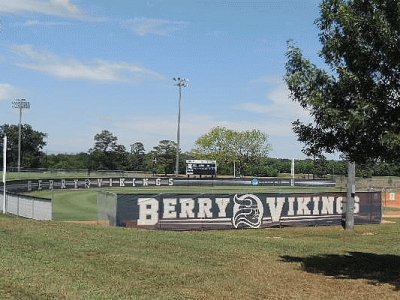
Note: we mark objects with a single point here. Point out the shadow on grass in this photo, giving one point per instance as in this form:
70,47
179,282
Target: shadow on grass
376,268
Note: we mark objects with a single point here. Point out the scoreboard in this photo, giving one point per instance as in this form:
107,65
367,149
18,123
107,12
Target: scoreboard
201,167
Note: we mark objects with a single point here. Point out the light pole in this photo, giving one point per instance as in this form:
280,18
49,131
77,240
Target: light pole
20,104
180,83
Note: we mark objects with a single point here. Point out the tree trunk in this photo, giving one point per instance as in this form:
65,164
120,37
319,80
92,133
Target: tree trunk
351,191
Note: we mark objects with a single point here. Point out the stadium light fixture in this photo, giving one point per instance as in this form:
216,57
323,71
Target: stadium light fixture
180,83
20,104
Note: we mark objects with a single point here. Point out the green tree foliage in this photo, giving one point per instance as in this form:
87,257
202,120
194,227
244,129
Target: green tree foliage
67,161
32,143
137,156
163,157
226,145
107,154
355,106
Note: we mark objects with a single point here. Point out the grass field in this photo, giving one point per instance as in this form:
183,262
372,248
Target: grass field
59,260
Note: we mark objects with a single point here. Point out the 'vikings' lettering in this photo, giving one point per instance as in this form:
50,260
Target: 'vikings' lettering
291,209
97,182
302,206
327,205
316,204
339,205
275,207
356,204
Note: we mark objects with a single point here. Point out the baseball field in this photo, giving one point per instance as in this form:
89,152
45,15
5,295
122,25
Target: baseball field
64,260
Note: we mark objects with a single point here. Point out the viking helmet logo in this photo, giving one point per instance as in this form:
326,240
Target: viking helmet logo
248,211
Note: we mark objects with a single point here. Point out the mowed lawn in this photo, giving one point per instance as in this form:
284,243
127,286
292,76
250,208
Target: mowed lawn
60,260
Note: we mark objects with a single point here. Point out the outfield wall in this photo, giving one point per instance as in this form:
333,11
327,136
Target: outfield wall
22,186
29,207
230,211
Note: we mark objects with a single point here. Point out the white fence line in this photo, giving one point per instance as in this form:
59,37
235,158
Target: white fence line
29,207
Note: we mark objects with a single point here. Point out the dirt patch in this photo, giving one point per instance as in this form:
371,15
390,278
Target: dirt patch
391,214
91,222
388,222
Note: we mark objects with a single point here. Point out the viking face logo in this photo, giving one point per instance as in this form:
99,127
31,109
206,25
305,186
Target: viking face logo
248,211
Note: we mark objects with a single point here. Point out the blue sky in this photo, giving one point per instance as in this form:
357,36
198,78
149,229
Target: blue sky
86,66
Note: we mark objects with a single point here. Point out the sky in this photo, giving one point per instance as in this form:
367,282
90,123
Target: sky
88,66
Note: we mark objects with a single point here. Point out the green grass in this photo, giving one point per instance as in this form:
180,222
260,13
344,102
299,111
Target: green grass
58,260
394,209
72,205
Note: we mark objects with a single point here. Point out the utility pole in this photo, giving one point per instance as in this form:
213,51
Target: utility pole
20,104
4,172
180,83
351,193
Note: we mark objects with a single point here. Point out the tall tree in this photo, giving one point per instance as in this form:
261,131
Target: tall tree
32,143
107,153
163,157
105,141
233,147
137,156
355,105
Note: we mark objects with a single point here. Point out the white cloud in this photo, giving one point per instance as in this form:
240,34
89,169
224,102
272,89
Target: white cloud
60,8
279,105
146,26
7,91
34,23
70,68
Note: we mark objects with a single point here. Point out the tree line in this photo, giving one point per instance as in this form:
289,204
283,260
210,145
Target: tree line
246,151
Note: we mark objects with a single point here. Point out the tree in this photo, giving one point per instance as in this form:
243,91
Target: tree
229,146
163,157
355,106
105,142
137,156
106,153
67,161
32,143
